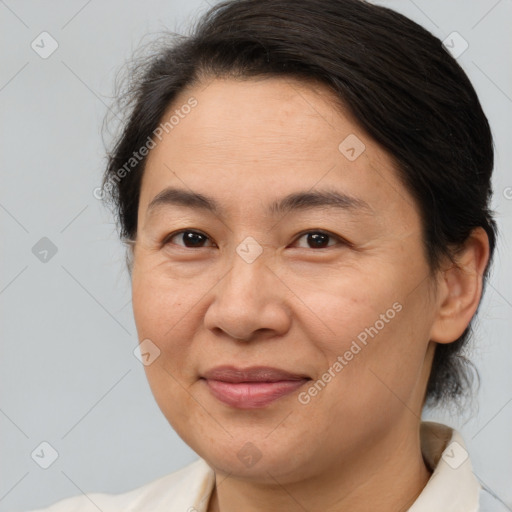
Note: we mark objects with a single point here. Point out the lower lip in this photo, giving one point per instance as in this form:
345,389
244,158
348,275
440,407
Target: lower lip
252,395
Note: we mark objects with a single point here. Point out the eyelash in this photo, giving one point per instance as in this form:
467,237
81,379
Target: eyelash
341,241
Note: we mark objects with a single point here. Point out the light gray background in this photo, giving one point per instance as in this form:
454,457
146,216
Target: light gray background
68,373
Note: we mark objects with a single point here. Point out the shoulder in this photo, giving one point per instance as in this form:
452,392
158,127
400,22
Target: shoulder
183,488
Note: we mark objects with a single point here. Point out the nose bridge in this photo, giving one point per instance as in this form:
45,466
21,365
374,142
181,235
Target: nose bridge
248,271
246,300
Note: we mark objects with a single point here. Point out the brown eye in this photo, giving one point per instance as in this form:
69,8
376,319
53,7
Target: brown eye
189,238
319,239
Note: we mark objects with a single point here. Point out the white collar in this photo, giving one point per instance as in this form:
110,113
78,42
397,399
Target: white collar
452,487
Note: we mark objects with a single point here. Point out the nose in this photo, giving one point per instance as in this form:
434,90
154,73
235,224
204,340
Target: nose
249,302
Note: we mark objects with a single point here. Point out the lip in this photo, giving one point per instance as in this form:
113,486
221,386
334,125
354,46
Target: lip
251,388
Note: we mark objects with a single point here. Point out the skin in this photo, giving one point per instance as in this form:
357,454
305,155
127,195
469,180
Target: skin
355,446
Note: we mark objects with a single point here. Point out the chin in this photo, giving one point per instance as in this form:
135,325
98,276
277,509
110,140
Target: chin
262,462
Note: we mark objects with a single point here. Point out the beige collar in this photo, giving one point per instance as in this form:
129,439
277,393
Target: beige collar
452,487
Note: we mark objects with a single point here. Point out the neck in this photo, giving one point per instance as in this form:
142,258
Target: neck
388,476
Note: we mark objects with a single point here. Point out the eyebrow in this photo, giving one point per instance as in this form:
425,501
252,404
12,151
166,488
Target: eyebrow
296,201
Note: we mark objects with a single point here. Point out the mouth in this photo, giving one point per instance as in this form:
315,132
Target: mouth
251,388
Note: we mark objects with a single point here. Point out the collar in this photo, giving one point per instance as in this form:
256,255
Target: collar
452,486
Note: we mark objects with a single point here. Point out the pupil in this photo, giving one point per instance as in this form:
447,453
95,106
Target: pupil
193,238
315,239
318,239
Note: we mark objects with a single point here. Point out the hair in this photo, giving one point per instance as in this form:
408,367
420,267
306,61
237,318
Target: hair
393,76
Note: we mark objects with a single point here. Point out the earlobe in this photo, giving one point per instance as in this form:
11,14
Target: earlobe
460,288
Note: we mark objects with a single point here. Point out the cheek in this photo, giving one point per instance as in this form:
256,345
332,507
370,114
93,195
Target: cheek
378,329
344,302
382,365
169,312
165,318
159,302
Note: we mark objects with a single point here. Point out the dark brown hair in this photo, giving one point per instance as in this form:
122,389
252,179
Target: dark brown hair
403,88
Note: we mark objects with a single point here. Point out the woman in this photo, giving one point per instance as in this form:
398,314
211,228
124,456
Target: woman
304,188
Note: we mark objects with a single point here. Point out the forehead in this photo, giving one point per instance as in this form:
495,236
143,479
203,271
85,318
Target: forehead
249,139
265,118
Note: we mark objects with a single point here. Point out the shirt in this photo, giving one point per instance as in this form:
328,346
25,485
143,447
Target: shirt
452,487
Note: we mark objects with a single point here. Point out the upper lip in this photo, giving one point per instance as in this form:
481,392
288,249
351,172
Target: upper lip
251,374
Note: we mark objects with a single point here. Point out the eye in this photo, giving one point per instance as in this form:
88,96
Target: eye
190,238
319,239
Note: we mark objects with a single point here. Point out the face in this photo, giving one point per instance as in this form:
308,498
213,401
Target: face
303,255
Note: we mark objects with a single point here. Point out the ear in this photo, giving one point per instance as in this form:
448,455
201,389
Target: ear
460,288
129,254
